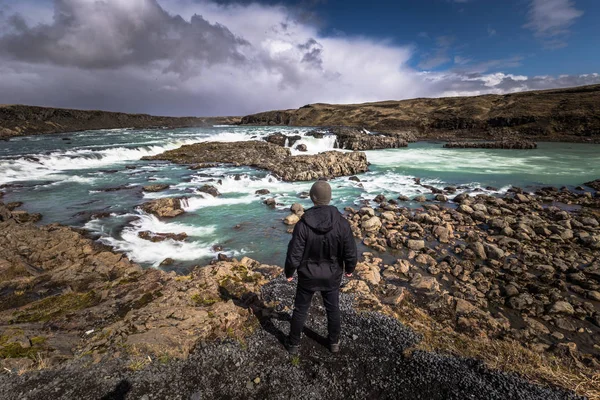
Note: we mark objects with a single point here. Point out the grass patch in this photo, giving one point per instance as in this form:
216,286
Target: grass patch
16,350
295,361
204,301
55,307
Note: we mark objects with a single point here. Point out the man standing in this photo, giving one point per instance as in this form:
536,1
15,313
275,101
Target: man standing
322,249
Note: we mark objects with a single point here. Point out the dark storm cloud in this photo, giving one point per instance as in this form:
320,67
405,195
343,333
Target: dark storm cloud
98,34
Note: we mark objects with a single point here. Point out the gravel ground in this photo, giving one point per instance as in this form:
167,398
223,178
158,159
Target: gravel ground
370,366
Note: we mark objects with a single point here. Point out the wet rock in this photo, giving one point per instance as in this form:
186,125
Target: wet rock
379,198
166,207
354,179
155,188
420,199
161,237
210,189
297,209
302,147
262,192
271,202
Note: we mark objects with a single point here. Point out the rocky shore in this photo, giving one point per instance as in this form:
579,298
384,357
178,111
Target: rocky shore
270,157
549,115
523,266
79,321
502,144
21,120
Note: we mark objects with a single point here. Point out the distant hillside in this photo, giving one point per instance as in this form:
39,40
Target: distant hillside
20,120
565,114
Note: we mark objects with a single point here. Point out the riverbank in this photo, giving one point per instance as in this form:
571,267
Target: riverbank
72,304
569,115
21,120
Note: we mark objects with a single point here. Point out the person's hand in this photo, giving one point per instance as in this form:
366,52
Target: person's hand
348,275
290,279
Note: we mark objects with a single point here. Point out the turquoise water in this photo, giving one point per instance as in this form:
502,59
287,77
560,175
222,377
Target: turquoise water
64,181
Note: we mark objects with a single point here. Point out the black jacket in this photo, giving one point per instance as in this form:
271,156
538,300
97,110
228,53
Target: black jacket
321,250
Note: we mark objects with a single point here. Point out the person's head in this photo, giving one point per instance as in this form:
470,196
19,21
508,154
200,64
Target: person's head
320,193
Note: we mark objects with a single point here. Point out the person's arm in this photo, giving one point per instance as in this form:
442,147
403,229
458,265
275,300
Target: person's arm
350,257
295,250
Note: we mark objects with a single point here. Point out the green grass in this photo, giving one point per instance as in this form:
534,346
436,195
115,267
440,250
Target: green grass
55,307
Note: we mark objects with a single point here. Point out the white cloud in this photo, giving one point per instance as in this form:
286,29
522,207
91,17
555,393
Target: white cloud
189,57
550,20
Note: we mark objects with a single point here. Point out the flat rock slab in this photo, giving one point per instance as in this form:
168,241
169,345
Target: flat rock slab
270,157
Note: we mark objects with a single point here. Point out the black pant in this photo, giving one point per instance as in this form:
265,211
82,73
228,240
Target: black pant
331,300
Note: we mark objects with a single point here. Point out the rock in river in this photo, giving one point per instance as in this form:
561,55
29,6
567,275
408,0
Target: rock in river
270,157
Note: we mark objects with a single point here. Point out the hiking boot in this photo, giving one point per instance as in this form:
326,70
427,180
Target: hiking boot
335,347
293,349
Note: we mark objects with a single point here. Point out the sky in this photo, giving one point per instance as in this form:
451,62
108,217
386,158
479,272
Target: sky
220,57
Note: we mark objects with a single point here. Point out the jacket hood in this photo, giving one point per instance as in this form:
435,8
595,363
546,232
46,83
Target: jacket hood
321,219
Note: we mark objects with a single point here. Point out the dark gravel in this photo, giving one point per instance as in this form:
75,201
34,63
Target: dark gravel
370,366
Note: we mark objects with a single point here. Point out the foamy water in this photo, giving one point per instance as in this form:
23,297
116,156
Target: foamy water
66,181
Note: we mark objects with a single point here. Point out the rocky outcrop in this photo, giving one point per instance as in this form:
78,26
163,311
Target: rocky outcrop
282,140
63,296
571,114
359,139
165,208
270,157
512,145
594,184
20,120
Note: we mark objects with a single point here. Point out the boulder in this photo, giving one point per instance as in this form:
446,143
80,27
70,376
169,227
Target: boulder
428,283
302,147
291,219
166,207
372,224
210,189
297,209
261,192
415,245
271,202
561,307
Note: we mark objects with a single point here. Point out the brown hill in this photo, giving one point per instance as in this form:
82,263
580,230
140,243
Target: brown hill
571,114
20,120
